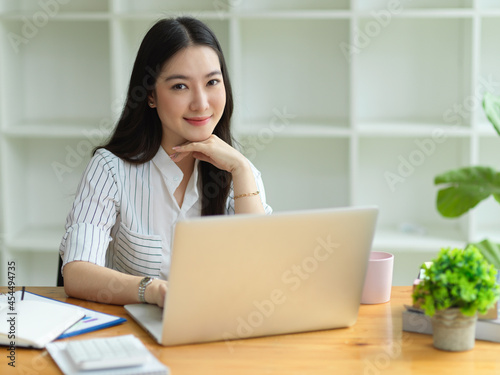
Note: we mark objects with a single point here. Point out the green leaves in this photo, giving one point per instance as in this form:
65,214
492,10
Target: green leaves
490,251
465,188
491,105
458,278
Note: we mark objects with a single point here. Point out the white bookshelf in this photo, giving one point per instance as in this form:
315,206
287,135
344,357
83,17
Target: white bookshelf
325,127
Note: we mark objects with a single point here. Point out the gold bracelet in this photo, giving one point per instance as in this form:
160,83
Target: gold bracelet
247,195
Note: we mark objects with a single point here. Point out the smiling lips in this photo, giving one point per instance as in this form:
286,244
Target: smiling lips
198,121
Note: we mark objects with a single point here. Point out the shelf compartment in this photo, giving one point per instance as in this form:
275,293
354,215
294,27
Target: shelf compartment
127,35
406,238
488,4
404,74
489,78
46,8
42,239
486,129
171,6
40,177
281,127
34,269
402,6
280,5
395,174
302,84
95,131
487,213
61,72
407,129
301,173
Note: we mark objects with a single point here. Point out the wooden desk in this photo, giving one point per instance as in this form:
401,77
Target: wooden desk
374,345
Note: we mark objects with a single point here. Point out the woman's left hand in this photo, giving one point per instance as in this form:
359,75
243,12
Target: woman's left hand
214,151
217,152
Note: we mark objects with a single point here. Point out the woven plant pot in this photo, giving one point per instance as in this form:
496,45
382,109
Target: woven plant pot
453,331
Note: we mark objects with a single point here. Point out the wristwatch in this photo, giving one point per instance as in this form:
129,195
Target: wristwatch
142,287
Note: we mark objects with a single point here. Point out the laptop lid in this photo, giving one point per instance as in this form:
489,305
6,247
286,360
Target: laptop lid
243,276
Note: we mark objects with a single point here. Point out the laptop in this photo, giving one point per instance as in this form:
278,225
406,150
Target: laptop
241,276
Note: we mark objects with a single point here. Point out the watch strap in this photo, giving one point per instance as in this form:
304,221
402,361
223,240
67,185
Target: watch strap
142,287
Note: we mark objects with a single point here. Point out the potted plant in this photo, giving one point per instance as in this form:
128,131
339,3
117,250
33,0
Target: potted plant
455,286
463,188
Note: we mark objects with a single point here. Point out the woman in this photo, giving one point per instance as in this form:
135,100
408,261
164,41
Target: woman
169,158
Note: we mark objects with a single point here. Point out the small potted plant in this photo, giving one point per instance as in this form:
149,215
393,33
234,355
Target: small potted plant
455,286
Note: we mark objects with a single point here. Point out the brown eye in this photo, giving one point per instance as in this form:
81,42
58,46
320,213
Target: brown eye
179,86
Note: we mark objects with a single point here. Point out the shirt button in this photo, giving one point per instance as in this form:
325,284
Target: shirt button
176,178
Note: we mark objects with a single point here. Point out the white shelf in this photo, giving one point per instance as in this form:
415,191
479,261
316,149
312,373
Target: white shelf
38,239
391,128
398,174
416,13
40,182
487,232
293,14
301,174
286,45
156,15
424,5
488,66
488,5
60,16
294,5
64,79
333,99
486,129
408,237
53,9
171,6
422,80
280,126
95,130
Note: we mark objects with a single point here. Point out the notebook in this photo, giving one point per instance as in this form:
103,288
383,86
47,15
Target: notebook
34,322
241,276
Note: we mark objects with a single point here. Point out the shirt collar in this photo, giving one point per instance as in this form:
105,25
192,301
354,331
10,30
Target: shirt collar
169,170
173,175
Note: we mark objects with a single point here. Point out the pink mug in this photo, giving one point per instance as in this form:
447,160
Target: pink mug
378,280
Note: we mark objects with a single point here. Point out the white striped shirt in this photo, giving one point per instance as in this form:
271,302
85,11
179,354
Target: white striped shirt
124,214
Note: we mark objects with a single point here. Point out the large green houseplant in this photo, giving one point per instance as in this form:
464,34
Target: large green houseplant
455,286
463,188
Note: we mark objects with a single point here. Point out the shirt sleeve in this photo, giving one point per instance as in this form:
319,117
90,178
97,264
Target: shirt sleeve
260,187
93,214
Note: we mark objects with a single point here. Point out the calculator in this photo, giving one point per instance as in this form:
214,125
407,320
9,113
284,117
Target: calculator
108,352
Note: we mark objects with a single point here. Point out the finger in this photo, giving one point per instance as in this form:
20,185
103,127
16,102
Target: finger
178,156
162,292
190,147
201,156
203,146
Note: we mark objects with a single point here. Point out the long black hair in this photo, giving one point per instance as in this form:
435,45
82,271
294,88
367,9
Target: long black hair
138,134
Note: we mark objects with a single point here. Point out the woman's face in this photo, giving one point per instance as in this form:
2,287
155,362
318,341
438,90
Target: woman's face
189,96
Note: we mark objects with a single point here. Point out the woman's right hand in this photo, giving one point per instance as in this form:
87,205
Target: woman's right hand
156,292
